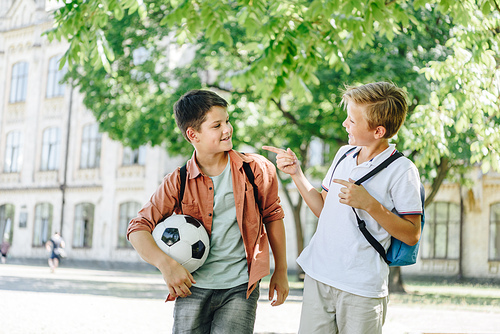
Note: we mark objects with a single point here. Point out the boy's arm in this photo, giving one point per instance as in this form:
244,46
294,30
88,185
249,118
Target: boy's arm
287,162
279,280
178,279
405,228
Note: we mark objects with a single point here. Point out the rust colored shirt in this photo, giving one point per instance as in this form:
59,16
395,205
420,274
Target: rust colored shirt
198,202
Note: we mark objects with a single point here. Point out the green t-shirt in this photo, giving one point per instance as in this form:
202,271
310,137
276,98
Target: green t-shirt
226,264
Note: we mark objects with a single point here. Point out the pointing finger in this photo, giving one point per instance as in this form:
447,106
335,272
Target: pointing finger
342,182
289,151
273,149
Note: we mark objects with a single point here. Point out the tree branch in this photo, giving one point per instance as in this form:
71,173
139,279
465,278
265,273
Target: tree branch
496,5
443,168
285,113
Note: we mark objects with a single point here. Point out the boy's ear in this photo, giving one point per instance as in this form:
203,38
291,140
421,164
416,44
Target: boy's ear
191,134
380,132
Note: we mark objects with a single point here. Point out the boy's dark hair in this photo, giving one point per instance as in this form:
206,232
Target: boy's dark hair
192,108
386,104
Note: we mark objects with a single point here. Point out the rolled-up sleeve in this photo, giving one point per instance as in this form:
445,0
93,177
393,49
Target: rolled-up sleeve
267,183
162,204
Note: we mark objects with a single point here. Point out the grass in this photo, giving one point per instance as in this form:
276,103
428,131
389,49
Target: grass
449,292
436,291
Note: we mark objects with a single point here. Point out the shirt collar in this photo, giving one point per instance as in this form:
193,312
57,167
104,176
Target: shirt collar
192,167
377,159
354,153
194,170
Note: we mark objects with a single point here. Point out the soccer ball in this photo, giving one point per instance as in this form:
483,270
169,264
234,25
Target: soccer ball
184,239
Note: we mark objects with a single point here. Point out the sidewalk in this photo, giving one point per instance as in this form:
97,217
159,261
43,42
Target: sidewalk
112,301
78,301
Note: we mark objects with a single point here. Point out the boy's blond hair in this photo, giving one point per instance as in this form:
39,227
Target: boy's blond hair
386,105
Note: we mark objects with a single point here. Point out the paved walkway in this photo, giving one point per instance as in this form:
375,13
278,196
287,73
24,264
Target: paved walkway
74,301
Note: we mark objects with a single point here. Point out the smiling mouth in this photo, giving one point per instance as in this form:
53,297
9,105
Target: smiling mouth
226,139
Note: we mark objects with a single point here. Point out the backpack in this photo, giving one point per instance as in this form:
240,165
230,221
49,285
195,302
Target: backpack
246,168
399,253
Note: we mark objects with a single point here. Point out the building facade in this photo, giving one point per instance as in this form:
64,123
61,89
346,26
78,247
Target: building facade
471,248
59,173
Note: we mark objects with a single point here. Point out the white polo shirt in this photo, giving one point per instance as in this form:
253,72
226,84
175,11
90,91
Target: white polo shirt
338,254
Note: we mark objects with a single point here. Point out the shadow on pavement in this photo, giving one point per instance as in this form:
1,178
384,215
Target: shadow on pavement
114,289
98,282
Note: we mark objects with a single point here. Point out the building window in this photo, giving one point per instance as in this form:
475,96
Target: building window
494,251
54,86
50,149
84,225
134,157
19,83
13,156
91,147
441,237
127,212
6,222
43,224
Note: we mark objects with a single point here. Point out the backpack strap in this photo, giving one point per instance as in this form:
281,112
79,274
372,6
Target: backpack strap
361,223
251,178
368,236
183,175
341,158
246,168
377,169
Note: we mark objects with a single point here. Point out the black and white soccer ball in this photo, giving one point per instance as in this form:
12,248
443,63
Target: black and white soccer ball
184,239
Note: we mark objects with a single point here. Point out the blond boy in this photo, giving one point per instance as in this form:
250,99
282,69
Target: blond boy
346,283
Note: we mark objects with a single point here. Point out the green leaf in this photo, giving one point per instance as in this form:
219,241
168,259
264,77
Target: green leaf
119,12
314,79
226,38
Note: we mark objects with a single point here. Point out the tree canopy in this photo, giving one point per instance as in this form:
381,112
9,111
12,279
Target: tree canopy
283,64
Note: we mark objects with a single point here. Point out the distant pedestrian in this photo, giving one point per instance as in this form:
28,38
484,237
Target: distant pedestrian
4,248
55,247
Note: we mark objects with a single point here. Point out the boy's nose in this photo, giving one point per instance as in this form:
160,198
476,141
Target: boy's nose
227,128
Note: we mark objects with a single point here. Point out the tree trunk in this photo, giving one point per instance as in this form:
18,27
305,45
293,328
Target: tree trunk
396,281
461,234
443,168
299,234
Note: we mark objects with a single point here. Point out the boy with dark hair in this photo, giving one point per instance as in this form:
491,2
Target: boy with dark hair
346,283
221,296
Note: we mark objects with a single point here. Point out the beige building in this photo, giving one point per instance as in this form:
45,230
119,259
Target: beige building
474,250
59,173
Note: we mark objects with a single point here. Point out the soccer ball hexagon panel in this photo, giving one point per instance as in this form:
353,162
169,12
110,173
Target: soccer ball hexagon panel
184,239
